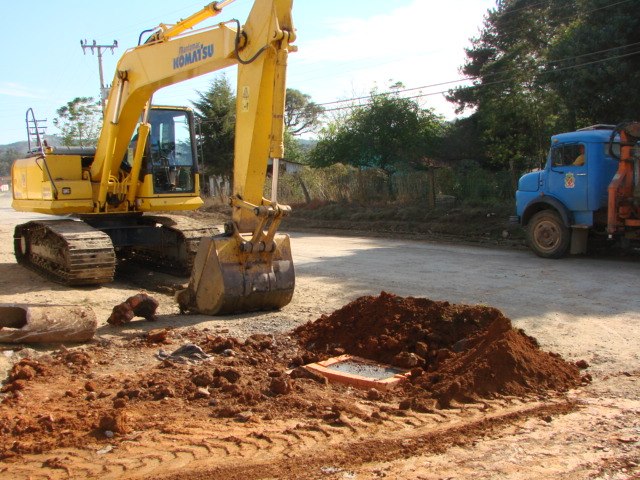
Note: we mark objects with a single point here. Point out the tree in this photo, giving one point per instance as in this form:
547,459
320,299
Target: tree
79,121
6,159
540,68
301,115
390,133
215,110
515,108
293,151
594,65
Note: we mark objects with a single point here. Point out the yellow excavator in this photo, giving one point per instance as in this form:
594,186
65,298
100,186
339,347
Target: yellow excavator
145,162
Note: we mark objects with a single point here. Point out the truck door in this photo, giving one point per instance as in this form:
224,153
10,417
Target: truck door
568,175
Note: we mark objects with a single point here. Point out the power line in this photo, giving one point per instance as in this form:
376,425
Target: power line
496,82
495,74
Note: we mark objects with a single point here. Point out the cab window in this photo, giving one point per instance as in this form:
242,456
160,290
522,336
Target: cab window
573,154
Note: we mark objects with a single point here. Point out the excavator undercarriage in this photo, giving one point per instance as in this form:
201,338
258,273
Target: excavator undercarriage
76,252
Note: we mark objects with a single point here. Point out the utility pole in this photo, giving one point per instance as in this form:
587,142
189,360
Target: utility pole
104,91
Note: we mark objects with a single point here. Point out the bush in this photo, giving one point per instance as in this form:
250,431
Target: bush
468,184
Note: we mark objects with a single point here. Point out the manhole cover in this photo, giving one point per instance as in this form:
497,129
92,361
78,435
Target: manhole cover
358,372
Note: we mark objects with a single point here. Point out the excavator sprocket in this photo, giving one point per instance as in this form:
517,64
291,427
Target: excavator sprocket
65,251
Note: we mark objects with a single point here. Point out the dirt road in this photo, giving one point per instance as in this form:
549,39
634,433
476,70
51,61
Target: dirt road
581,308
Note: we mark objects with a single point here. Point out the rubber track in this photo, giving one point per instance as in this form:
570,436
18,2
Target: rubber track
74,252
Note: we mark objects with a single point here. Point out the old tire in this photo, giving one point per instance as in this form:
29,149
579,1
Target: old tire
547,235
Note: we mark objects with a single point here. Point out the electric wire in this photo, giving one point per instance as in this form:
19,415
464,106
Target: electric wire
483,85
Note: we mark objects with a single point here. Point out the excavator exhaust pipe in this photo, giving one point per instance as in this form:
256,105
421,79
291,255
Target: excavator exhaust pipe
232,275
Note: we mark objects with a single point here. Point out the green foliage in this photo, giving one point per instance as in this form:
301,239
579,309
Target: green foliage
515,110
592,90
461,140
466,183
79,122
6,159
540,68
215,111
293,150
390,133
301,115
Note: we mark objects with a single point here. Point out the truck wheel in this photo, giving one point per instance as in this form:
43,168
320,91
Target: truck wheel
547,235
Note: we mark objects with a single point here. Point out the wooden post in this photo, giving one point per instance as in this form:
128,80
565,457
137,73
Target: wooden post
431,187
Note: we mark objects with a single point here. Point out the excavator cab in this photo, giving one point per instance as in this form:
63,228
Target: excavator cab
169,163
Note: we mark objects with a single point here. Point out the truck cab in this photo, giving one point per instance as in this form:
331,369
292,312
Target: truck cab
561,203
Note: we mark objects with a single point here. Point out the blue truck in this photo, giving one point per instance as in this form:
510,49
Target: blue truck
588,187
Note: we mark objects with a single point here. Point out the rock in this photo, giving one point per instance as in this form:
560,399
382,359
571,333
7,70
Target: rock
301,372
230,374
120,315
422,349
260,341
144,306
116,421
202,393
158,335
140,305
90,386
22,372
244,416
374,394
203,379
407,360
280,385
582,364
106,449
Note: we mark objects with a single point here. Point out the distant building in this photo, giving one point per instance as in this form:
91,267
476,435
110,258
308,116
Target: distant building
286,166
5,184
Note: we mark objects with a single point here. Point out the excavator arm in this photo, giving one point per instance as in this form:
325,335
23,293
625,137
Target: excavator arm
250,267
174,54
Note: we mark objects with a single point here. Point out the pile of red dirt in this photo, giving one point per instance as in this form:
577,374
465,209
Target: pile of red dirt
163,380
455,352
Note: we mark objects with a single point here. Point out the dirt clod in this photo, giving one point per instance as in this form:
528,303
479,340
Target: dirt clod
115,421
140,305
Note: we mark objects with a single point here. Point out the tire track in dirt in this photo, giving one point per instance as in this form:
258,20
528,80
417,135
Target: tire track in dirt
342,452
147,455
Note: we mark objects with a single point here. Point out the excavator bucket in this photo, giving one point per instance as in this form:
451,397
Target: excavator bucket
228,279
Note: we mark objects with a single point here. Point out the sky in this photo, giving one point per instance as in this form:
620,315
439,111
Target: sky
346,48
